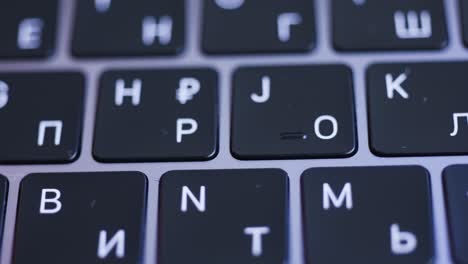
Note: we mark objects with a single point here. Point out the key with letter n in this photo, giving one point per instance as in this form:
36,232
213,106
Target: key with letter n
223,216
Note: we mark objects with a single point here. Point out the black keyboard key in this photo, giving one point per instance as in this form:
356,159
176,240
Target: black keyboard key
388,25
129,28
293,112
3,202
464,17
78,218
456,195
223,216
27,28
157,115
367,215
42,117
418,109
239,26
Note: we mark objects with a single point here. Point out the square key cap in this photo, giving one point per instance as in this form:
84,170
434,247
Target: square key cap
418,108
364,25
287,112
223,216
367,215
456,195
27,28
78,218
3,202
128,28
157,115
41,116
273,26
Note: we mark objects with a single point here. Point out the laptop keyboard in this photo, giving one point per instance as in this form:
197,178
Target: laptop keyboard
233,131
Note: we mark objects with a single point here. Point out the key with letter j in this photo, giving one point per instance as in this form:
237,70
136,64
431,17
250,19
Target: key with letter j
223,216
367,215
78,218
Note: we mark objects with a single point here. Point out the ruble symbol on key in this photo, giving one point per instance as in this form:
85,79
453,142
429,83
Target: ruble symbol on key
188,88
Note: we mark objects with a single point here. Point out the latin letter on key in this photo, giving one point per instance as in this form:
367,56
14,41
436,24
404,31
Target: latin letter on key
43,125
51,200
257,233
402,242
117,241
265,95
134,92
153,29
30,33
407,26
345,195
191,123
394,85
285,21
319,121
199,203
456,116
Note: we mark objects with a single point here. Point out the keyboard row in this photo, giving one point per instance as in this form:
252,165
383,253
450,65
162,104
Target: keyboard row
357,215
278,112
142,27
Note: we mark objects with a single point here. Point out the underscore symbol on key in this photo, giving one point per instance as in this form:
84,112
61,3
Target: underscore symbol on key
3,94
456,116
188,88
413,25
265,95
